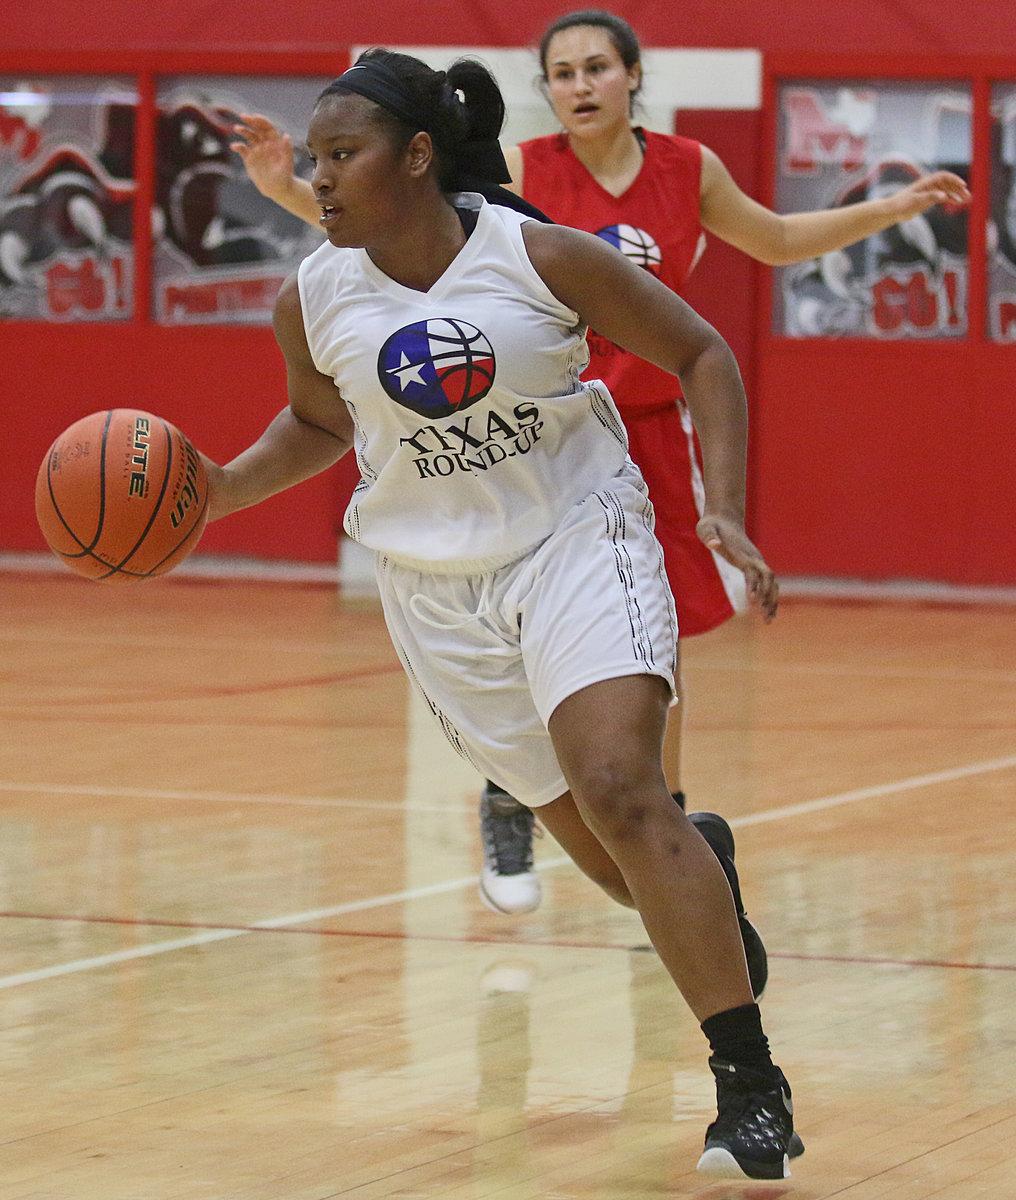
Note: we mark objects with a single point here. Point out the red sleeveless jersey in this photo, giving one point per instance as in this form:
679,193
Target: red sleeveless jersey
655,222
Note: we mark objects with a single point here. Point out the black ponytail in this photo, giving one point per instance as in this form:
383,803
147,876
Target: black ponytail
481,98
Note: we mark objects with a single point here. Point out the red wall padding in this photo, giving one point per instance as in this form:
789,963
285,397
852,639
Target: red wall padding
889,460
895,463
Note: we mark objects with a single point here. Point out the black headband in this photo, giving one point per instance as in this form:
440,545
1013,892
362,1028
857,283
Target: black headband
377,82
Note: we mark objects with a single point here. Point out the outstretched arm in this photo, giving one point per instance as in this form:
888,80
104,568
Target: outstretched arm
632,308
778,239
312,433
267,155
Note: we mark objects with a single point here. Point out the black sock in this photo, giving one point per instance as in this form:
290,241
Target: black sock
678,799
736,1036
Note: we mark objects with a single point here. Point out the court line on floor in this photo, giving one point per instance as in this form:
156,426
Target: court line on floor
542,943
820,804
188,695
220,935
949,775
192,797
912,783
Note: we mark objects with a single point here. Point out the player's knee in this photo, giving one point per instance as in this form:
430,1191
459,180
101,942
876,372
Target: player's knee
617,797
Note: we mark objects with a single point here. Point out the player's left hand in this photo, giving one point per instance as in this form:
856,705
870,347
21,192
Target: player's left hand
940,187
727,538
218,503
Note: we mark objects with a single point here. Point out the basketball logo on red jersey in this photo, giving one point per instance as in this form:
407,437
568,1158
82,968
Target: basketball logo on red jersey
636,244
436,367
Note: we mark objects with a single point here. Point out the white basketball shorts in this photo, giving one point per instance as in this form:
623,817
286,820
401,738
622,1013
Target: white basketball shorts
494,654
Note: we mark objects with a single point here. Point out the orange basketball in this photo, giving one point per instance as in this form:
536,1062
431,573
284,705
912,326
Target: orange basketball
121,495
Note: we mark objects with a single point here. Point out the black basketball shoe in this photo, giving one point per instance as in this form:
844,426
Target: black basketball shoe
753,1134
720,840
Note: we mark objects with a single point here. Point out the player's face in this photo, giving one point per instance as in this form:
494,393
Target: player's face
590,88
358,178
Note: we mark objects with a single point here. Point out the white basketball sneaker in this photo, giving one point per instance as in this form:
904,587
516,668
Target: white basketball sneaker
508,883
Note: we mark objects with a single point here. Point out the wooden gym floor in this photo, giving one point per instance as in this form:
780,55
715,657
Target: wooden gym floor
244,958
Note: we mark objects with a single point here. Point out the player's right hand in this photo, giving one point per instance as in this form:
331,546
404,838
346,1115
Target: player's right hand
267,154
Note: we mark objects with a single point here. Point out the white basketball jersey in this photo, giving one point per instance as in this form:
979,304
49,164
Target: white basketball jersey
474,434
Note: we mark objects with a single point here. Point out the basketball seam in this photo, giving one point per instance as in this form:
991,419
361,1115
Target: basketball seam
86,551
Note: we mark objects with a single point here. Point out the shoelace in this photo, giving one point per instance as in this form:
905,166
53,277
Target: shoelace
510,842
765,1123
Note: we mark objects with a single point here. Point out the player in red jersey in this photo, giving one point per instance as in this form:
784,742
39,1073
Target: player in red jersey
655,196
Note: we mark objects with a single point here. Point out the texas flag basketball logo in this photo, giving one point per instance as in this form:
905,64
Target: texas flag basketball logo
634,243
436,367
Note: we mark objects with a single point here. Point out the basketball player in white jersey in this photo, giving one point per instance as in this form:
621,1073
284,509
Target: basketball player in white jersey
606,175
441,332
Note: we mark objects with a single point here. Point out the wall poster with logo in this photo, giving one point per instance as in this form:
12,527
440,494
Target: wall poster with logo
843,142
221,249
67,198
1001,308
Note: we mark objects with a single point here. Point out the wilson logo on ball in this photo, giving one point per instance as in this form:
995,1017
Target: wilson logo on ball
436,367
192,490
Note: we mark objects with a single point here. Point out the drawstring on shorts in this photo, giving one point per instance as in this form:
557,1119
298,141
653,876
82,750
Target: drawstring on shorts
419,603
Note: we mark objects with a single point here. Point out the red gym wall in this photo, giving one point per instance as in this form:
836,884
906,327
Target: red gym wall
869,460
